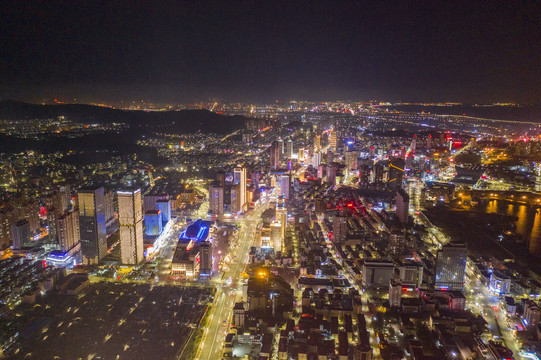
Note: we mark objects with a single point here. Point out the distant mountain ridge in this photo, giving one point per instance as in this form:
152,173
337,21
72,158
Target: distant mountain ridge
182,121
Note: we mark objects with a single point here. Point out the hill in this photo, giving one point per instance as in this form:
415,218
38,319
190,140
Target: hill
182,121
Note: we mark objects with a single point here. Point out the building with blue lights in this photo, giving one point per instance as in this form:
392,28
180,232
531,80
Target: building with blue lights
153,223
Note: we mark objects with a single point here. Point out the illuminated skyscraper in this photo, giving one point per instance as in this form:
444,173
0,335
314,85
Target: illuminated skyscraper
285,185
301,154
276,235
68,230
281,215
333,140
402,206
130,216
451,267
216,198
331,175
289,149
317,143
92,224
239,178
275,155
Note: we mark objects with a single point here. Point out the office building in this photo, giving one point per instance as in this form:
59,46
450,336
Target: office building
21,235
285,186
235,199
164,206
396,173
275,155
68,230
220,177
395,293
289,149
317,143
92,224
276,235
239,178
216,198
150,201
451,267
317,159
351,160
153,223
301,154
109,207
331,175
130,216
402,206
333,141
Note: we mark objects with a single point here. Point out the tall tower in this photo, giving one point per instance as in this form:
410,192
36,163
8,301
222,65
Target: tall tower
92,224
285,185
289,149
275,155
130,216
239,178
216,198
68,230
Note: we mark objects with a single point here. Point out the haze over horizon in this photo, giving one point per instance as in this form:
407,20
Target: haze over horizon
262,52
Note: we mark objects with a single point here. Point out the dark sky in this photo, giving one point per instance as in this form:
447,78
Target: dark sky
175,51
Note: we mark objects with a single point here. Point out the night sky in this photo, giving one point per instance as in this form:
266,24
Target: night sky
469,51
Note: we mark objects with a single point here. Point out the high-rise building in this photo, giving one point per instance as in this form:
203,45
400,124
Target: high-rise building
301,154
331,174
285,185
92,224
289,149
235,199
281,215
239,178
150,201
402,206
220,177
216,198
205,258
333,140
130,216
276,235
351,160
317,143
395,293
340,228
68,230
164,206
317,159
396,172
451,267
109,207
281,148
275,155
21,235
63,202
153,223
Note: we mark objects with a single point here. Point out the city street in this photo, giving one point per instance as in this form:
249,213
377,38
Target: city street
229,290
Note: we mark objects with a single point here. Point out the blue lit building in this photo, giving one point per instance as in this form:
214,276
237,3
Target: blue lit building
165,207
153,223
198,231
